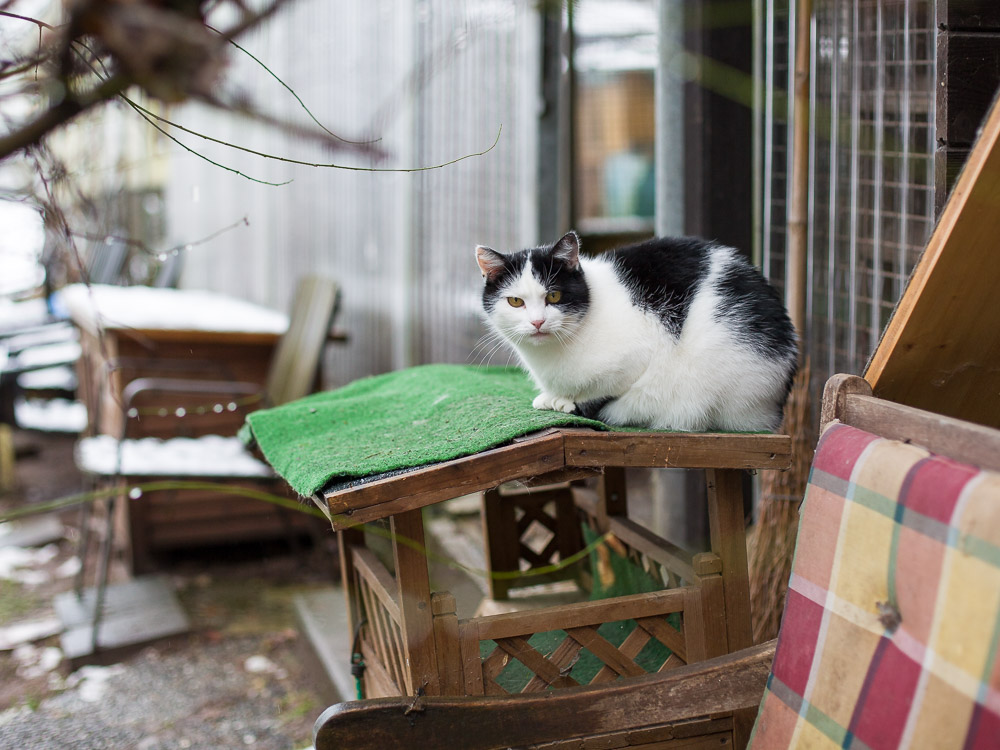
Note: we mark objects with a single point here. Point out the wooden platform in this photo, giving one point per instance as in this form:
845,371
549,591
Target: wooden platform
136,613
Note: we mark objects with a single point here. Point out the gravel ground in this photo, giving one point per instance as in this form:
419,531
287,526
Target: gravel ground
240,679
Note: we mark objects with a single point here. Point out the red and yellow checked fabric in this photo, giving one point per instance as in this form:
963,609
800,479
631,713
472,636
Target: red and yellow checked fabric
892,621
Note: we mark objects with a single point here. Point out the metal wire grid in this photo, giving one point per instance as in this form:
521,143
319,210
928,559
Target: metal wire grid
871,165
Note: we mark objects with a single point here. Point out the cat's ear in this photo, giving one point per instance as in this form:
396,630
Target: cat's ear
567,250
491,263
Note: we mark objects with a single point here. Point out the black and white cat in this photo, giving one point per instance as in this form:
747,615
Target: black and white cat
672,333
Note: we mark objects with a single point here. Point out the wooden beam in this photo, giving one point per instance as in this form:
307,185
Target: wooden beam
677,450
444,481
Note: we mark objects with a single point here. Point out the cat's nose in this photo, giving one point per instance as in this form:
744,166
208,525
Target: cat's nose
538,324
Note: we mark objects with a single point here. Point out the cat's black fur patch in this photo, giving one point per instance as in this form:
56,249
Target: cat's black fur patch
554,275
663,274
513,264
755,303
592,409
551,272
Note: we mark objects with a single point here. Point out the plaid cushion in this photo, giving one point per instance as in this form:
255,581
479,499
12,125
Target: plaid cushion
892,620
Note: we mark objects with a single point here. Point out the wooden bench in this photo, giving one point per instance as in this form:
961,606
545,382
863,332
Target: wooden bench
903,507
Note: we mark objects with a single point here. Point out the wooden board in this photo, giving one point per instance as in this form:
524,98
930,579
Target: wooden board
657,708
941,349
545,453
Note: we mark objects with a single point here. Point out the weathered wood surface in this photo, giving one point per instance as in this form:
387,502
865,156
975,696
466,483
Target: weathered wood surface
728,539
444,481
682,450
511,624
414,597
647,704
548,452
852,403
941,349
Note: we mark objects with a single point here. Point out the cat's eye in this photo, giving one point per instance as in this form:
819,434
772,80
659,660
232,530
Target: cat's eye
553,297
515,302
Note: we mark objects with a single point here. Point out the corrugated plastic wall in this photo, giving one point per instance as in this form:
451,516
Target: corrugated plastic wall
432,80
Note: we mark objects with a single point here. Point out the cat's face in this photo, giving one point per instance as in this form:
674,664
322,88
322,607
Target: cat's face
534,297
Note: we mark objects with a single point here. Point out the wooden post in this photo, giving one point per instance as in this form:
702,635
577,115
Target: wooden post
501,540
449,658
705,610
414,597
728,538
612,494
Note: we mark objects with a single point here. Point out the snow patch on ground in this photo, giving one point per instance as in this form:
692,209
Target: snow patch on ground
16,563
91,682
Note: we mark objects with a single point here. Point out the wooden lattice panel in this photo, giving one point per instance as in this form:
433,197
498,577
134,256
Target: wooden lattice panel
552,663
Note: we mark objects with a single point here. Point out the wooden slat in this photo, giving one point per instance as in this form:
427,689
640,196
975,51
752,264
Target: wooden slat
713,688
378,683
563,657
382,584
654,547
492,666
379,636
941,349
581,613
520,649
445,481
634,643
665,633
677,450
590,639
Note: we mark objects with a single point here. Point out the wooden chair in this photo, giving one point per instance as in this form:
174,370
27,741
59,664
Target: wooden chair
293,373
889,634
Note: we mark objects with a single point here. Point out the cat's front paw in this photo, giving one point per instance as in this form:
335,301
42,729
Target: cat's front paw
553,403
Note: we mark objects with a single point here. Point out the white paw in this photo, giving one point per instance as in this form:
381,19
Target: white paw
555,403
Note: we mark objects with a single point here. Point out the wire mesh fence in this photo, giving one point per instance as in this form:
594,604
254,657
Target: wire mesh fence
871,158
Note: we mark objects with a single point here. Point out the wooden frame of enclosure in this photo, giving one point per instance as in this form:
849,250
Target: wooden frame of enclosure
411,639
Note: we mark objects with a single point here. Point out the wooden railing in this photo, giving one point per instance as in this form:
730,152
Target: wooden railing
555,647
382,644
567,634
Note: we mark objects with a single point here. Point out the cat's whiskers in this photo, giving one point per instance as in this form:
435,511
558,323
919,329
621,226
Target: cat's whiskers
484,342
487,345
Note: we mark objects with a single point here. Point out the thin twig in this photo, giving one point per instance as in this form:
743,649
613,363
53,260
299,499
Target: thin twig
149,119
140,245
292,91
143,111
